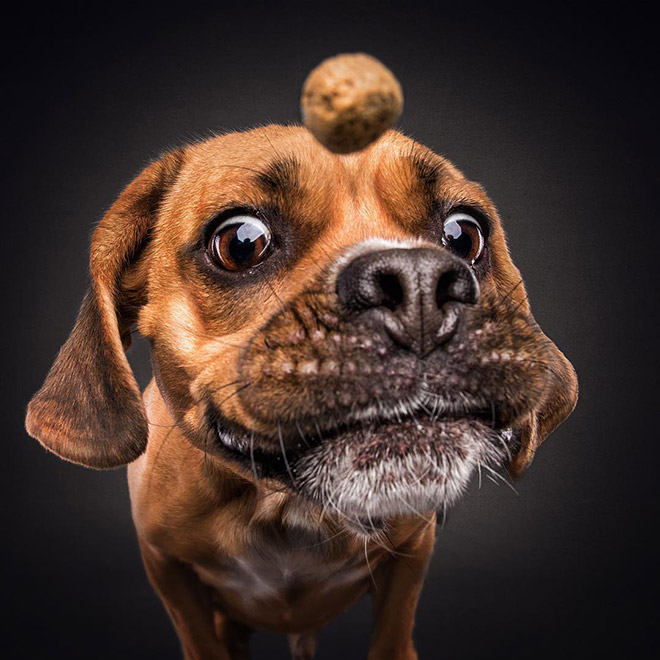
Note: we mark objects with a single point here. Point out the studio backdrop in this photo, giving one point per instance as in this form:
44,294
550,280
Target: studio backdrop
551,112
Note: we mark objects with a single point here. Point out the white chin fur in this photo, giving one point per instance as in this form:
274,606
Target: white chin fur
431,477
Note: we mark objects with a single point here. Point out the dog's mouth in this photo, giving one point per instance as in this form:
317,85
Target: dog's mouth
374,467
372,437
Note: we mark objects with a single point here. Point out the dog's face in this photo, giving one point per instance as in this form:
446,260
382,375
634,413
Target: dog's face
351,326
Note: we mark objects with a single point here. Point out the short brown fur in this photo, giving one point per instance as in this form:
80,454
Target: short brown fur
198,515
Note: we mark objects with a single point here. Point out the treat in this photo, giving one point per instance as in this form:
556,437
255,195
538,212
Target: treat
350,100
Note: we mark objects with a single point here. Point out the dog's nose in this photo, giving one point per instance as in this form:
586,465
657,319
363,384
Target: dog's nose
419,293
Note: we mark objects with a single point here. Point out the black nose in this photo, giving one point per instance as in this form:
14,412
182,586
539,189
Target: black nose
419,293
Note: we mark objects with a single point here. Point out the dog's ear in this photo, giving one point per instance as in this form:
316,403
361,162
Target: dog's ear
89,409
556,406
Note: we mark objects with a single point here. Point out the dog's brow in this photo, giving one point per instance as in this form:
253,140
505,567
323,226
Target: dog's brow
280,177
428,171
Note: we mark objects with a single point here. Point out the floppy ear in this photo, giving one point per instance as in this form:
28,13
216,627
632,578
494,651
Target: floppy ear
557,405
89,409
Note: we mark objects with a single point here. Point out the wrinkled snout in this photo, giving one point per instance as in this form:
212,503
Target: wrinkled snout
418,294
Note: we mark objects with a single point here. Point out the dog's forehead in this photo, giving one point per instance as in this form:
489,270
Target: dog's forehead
393,183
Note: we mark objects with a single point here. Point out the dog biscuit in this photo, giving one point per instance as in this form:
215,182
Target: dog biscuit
350,100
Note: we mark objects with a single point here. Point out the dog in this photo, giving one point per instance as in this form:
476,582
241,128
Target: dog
338,343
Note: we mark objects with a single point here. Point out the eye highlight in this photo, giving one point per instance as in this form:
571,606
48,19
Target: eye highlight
239,243
462,234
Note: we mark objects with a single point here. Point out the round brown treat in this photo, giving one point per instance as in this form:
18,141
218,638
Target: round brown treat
350,100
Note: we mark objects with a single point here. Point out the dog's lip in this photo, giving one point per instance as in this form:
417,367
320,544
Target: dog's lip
420,406
240,443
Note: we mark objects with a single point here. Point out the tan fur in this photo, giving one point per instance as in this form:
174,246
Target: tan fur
209,532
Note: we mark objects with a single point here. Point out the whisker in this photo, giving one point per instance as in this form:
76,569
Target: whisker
234,393
222,387
511,290
392,549
272,146
253,464
286,460
269,284
341,532
366,557
413,509
501,478
302,435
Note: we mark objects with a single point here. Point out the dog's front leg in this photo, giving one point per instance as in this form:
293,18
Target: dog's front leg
397,586
188,603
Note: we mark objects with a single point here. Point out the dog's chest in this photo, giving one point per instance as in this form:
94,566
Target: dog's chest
261,575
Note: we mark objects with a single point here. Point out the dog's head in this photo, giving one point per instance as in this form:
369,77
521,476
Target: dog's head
352,326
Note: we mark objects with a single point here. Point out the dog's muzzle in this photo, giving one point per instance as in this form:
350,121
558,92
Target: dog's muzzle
379,390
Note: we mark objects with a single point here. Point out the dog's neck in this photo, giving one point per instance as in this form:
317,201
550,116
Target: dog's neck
169,448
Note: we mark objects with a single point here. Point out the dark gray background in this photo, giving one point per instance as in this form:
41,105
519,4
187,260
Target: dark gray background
551,111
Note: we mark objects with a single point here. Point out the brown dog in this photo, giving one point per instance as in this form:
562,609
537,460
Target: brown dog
338,343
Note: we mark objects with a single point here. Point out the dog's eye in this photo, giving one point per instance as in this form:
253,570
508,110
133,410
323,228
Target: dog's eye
463,235
239,243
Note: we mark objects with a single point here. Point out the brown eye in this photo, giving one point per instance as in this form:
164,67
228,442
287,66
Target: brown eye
462,235
240,243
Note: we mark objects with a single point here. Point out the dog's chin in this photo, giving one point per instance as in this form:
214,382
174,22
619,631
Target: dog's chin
403,469
376,470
